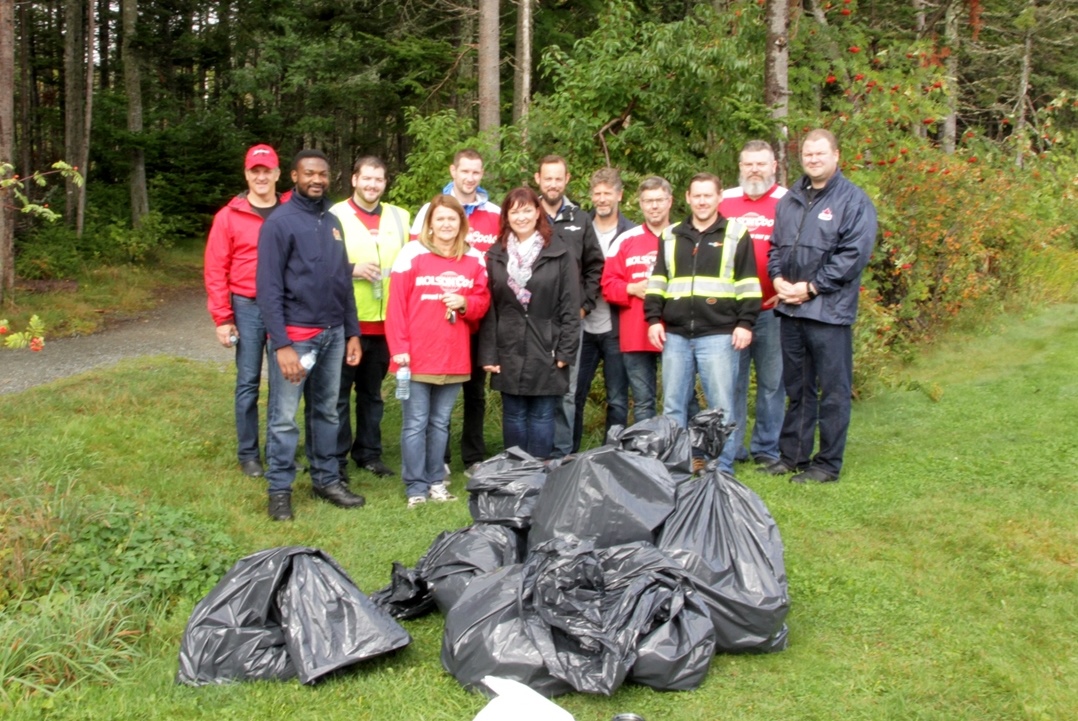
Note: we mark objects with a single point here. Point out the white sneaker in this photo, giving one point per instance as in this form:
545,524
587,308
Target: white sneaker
439,493
414,501
470,470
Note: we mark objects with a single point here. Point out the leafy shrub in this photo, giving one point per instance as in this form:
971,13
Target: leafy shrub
50,252
137,245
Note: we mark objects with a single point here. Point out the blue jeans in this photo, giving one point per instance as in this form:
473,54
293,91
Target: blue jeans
817,369
766,354
424,434
250,350
528,422
641,368
566,411
714,358
593,348
323,383
367,379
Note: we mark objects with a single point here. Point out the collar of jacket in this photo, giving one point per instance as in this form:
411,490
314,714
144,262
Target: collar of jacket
567,211
688,230
801,188
552,249
309,205
481,196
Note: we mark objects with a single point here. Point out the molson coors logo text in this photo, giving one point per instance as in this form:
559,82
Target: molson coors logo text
759,226
447,282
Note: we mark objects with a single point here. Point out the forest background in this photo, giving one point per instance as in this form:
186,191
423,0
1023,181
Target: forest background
959,118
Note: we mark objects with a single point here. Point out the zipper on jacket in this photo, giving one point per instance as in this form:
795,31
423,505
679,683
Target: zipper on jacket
692,287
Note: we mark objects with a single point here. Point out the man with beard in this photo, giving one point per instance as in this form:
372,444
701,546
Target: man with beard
374,232
599,341
484,222
701,303
752,204
575,228
825,229
304,286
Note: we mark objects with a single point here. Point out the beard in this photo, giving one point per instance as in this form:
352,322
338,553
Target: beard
755,188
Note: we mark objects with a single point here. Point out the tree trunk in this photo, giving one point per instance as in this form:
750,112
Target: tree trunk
7,143
950,123
140,202
776,78
1023,84
522,80
82,162
74,97
26,95
489,81
104,49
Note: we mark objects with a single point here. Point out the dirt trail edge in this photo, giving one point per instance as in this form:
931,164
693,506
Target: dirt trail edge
180,327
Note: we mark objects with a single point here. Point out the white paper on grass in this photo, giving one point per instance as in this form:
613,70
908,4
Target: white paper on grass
517,702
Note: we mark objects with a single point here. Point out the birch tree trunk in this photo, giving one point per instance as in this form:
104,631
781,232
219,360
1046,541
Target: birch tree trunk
522,77
950,123
74,97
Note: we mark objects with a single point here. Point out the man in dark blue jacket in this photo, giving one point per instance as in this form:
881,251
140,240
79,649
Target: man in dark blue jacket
304,290
825,229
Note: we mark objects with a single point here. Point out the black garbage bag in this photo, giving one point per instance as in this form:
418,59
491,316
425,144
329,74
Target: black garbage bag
279,613
484,635
657,437
604,495
722,534
504,489
597,615
406,596
456,557
709,433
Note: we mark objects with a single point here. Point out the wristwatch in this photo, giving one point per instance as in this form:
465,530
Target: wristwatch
811,290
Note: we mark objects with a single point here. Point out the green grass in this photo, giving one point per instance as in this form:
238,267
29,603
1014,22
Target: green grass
937,580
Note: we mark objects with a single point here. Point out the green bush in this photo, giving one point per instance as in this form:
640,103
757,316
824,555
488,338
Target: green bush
51,252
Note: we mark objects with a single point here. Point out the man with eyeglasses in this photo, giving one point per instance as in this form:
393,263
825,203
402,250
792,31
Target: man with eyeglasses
625,279
752,203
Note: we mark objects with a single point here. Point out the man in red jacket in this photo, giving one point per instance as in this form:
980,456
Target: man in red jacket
231,259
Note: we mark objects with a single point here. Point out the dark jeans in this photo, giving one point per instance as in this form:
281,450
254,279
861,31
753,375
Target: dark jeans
528,422
367,379
641,367
595,347
817,370
250,350
473,444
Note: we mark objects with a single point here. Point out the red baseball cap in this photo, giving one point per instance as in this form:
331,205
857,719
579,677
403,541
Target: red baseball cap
262,155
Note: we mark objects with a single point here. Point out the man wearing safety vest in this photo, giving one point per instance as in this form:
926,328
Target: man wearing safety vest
374,232
701,304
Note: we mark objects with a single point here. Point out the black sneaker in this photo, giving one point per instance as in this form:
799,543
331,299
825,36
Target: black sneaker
338,495
280,506
816,475
776,468
252,467
379,469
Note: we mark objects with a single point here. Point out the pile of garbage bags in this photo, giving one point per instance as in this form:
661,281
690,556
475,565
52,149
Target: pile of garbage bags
613,565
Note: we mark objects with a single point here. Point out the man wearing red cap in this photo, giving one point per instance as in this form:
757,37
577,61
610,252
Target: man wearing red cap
231,259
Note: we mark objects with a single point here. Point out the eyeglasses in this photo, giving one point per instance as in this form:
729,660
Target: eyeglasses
654,201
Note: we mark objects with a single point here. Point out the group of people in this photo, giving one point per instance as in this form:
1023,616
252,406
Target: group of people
534,294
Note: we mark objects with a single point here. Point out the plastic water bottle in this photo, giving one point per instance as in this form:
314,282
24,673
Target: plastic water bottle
376,287
307,359
233,340
404,383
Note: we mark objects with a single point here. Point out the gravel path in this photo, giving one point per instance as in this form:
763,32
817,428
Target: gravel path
180,326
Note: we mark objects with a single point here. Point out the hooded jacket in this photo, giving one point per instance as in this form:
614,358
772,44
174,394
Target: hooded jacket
528,342
304,277
827,241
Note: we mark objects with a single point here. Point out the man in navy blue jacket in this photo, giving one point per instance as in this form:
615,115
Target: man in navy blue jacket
825,229
304,290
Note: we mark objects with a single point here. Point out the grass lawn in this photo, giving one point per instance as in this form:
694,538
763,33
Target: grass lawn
937,580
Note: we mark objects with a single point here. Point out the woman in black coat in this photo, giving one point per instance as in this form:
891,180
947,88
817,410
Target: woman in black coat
529,337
